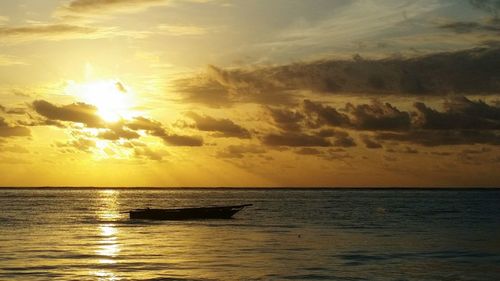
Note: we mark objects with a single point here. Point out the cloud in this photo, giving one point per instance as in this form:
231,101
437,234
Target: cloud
239,151
118,132
156,129
327,154
469,27
325,115
406,150
48,32
8,130
182,30
75,112
287,119
14,149
439,137
82,144
378,116
313,114
108,6
9,61
222,127
16,110
370,143
463,121
295,140
460,114
473,71
181,140
124,129
308,151
218,87
148,153
490,6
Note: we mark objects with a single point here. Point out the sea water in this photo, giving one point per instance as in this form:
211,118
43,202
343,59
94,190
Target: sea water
336,234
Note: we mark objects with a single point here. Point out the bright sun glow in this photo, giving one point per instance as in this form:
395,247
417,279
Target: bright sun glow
112,99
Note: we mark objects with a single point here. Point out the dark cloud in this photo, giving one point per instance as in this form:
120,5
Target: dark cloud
100,6
295,139
124,129
469,27
370,143
180,140
477,150
287,119
222,127
218,87
325,115
8,130
379,116
35,121
442,137
463,121
75,112
308,151
473,71
460,114
375,117
308,115
204,91
156,129
239,151
327,154
490,6
441,153
342,138
118,132
407,150
344,142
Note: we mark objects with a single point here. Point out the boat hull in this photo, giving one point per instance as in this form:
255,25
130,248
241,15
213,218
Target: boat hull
224,212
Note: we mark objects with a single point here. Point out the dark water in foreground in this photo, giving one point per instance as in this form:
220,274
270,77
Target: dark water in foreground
286,235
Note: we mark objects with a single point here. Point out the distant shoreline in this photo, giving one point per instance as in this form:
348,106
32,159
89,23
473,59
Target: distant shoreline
452,188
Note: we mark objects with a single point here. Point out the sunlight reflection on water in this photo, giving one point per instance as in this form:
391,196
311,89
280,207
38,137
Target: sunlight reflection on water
108,244
286,235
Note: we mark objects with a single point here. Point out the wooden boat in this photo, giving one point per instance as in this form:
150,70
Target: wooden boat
218,212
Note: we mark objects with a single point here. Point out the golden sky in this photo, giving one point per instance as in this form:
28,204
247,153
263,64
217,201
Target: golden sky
172,93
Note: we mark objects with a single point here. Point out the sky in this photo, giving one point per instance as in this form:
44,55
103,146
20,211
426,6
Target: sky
220,93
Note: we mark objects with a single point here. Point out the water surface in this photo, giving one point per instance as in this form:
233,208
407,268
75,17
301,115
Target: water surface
59,234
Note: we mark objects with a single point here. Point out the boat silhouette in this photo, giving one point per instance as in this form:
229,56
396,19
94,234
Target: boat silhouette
214,212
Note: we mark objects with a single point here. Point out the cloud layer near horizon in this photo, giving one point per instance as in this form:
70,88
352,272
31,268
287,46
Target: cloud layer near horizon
473,71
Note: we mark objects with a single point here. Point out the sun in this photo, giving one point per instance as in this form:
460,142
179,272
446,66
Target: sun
111,97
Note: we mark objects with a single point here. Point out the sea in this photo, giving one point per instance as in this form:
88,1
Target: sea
288,234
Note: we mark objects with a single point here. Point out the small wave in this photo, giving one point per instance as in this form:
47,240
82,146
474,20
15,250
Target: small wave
310,277
176,279
359,258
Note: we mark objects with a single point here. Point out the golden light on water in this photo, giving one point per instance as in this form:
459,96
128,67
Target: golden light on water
109,246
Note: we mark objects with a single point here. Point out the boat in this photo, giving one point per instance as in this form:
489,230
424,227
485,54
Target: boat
215,212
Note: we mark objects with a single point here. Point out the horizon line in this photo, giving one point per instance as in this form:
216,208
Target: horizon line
254,187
